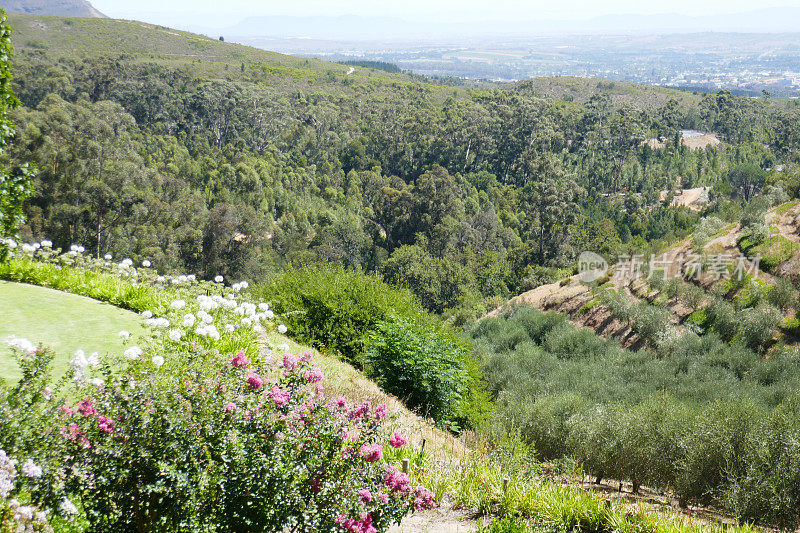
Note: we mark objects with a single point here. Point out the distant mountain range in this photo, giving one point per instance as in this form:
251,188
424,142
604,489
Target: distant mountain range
352,27
62,8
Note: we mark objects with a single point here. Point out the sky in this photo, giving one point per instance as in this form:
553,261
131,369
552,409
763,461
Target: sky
219,14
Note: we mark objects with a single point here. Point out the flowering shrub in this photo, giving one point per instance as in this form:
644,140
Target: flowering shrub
226,444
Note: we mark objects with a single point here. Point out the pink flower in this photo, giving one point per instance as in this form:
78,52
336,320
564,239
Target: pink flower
384,498
306,357
85,407
314,375
397,481
365,495
358,412
423,499
397,440
289,361
371,453
362,525
319,392
240,360
67,410
340,402
106,425
279,396
255,381
230,408
381,411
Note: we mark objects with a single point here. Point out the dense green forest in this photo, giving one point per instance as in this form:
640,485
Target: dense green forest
250,162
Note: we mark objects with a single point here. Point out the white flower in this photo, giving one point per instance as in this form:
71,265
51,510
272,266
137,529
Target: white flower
132,384
47,244
230,328
8,473
175,335
97,382
161,322
20,344
79,362
107,257
178,304
218,279
68,508
81,249
188,320
269,313
36,246
157,360
28,248
133,352
11,244
31,469
47,392
147,314
284,347
124,334
146,263
212,332
282,328
73,247
205,317
93,359
263,306
191,277
161,279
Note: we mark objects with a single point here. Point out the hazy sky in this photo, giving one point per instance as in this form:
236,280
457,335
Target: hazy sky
230,11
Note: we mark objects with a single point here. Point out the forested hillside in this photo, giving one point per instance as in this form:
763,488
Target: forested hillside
223,159
380,216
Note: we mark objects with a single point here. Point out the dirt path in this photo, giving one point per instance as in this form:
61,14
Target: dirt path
439,520
690,198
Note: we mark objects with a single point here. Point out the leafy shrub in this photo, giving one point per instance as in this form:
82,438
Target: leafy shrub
692,296
336,309
417,363
205,444
782,295
758,326
649,321
618,305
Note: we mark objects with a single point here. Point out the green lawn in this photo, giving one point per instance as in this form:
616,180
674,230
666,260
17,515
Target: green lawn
65,322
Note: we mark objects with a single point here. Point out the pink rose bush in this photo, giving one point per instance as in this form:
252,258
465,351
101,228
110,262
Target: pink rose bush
227,441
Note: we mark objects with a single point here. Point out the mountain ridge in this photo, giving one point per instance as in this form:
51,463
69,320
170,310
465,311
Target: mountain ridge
62,8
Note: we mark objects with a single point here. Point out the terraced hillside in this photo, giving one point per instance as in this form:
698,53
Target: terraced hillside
700,273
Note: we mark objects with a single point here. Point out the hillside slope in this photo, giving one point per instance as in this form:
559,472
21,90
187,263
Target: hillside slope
63,8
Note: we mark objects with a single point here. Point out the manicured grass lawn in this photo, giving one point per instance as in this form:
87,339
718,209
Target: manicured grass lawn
63,321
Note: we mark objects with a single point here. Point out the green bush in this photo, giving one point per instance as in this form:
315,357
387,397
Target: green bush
336,309
758,326
782,295
421,365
